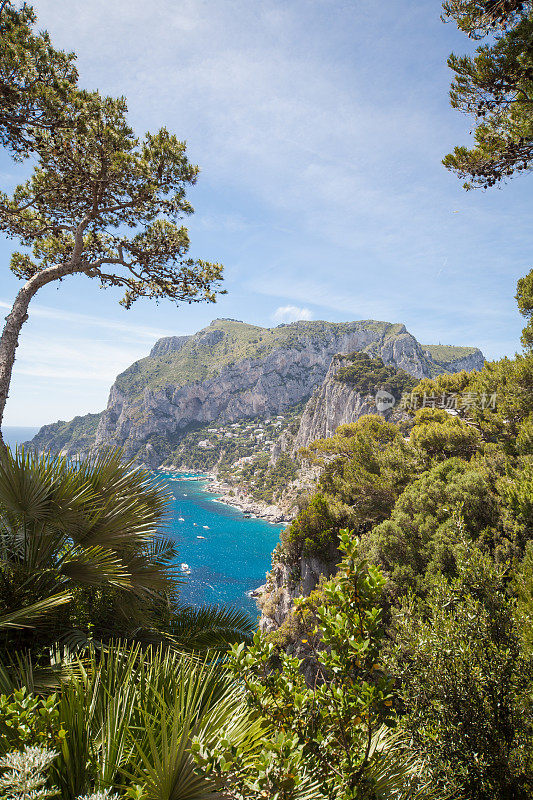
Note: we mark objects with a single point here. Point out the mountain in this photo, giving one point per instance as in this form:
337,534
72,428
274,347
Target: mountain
232,371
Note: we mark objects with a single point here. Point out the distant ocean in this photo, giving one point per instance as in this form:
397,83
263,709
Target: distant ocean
226,554
13,436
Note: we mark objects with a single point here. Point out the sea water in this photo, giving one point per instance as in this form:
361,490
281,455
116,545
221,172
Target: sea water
16,436
227,554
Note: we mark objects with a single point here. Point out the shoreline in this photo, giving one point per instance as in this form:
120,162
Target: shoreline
239,499
247,505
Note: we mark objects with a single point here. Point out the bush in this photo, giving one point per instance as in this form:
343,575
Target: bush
465,683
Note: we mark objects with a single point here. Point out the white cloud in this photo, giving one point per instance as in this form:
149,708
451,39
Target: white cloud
291,314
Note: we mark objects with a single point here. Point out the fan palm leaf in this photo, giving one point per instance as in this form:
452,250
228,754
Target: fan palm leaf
210,626
131,716
27,616
92,523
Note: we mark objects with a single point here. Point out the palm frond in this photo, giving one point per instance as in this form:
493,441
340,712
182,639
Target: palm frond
28,616
397,773
210,626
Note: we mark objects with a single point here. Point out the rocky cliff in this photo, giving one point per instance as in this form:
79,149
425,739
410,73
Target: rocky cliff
232,371
287,582
335,402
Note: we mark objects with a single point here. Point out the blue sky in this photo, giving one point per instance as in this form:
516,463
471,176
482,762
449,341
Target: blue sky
319,127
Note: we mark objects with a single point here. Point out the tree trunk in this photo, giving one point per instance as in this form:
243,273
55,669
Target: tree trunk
16,318
9,343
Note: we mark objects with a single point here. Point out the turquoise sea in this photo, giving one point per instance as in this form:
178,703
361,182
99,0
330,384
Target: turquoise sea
233,554
227,554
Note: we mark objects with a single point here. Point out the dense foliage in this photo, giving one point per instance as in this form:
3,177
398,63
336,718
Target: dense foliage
365,373
495,86
465,681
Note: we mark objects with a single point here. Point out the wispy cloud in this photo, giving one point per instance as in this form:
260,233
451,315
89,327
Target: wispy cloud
89,321
291,314
319,127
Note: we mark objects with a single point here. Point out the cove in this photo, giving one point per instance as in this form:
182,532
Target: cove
232,555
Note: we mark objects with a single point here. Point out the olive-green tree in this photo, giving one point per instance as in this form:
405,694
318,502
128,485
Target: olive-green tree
100,203
465,681
495,86
524,297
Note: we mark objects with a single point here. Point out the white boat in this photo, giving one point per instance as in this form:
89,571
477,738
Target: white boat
184,566
195,524
200,537
205,527
181,519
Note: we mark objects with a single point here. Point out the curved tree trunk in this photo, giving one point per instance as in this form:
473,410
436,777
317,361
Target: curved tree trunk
16,318
9,343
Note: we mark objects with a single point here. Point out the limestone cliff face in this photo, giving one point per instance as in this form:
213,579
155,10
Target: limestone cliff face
332,404
169,344
285,583
289,370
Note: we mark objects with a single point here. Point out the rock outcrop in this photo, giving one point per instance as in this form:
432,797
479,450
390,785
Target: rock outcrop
287,582
332,404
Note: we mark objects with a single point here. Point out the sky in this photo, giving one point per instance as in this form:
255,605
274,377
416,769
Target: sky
319,127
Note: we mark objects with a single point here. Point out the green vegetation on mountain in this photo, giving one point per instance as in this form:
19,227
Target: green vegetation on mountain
265,480
227,342
366,373
223,444
75,436
447,354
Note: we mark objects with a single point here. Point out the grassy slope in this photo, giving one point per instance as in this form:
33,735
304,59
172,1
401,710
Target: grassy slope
447,354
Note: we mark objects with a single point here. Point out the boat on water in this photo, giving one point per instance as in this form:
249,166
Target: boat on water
200,537
181,519
205,527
